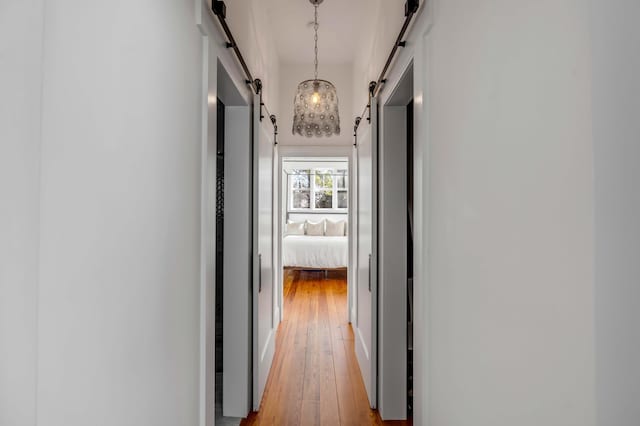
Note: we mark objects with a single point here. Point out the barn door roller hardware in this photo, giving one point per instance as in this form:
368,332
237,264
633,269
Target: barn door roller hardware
219,9
410,9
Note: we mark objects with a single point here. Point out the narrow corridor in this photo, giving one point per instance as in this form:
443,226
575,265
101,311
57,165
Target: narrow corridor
315,378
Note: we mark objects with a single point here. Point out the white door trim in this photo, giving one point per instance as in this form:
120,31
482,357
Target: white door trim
328,152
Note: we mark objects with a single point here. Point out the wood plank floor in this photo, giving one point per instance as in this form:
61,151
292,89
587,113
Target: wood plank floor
315,378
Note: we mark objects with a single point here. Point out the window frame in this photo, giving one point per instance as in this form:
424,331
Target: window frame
313,172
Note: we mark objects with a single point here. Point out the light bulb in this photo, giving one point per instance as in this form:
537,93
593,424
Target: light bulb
315,98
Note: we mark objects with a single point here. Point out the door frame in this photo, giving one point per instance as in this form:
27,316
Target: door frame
297,151
417,52
214,54
392,248
237,246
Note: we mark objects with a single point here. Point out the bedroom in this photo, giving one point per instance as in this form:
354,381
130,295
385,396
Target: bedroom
315,215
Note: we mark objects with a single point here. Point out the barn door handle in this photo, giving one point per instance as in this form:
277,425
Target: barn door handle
259,273
369,273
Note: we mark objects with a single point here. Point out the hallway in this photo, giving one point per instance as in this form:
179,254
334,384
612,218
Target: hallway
315,378
523,305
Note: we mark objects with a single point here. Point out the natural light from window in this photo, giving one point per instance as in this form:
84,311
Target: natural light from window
318,189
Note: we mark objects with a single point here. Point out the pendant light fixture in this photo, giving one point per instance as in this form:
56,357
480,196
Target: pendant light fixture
315,107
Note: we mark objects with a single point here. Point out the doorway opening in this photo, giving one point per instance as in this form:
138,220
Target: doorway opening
410,274
314,203
231,120
396,251
315,215
314,212
219,253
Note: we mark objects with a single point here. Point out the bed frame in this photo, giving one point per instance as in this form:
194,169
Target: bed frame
326,270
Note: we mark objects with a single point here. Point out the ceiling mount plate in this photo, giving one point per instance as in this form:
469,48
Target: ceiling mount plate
315,2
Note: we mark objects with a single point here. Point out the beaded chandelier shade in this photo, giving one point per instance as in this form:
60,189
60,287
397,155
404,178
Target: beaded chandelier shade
315,107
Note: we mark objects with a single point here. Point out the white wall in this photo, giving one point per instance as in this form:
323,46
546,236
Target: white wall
511,281
616,133
385,18
20,86
290,76
504,168
103,138
250,25
120,206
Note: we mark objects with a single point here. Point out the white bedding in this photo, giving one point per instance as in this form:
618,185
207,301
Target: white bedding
317,252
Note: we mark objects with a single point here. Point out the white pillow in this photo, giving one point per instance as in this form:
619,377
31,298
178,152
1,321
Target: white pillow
315,228
334,229
294,228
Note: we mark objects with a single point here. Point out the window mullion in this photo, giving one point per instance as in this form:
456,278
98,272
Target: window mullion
312,186
290,192
335,190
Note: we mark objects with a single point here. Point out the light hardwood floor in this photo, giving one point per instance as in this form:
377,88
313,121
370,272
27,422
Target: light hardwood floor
315,378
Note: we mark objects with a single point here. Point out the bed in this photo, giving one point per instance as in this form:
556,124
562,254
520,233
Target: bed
315,251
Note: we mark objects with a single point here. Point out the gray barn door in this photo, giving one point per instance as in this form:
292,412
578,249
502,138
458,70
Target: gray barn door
263,282
366,312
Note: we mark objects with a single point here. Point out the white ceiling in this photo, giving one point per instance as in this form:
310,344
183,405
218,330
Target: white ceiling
342,27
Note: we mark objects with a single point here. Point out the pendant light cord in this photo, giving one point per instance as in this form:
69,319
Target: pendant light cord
315,27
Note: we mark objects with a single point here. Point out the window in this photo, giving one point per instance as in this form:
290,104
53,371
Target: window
323,189
318,189
341,188
300,189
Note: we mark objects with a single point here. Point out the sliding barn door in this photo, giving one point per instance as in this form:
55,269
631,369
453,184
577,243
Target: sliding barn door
263,282
366,314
